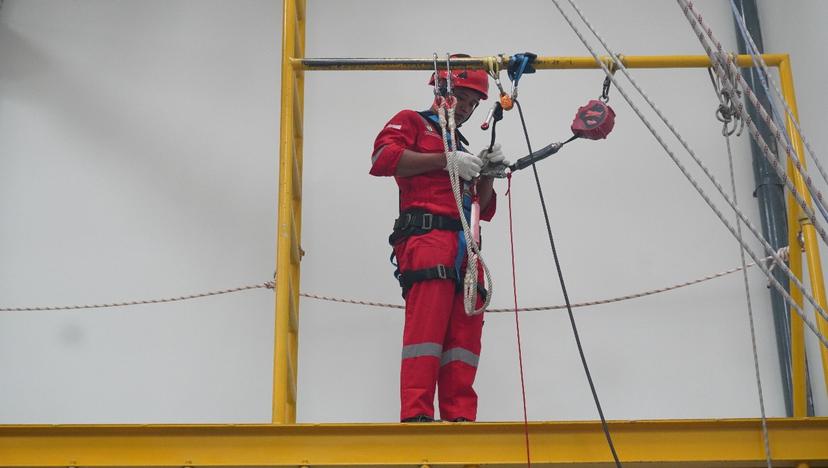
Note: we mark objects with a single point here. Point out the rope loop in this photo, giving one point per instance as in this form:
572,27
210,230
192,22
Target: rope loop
727,112
448,126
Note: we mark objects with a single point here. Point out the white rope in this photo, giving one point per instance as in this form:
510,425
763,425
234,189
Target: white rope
768,248
765,436
773,281
448,126
722,63
779,98
777,261
755,133
620,66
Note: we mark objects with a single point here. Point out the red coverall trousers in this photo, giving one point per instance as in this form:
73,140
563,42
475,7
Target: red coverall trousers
441,344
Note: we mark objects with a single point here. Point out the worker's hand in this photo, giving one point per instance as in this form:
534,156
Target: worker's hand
468,165
495,157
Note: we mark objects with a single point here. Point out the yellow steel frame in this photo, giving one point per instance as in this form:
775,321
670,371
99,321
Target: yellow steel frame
798,223
686,443
289,230
797,441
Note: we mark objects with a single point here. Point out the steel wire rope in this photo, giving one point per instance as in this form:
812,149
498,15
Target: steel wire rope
722,61
604,425
777,98
776,259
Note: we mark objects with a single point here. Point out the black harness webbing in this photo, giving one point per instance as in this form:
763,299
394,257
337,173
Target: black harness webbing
417,221
414,222
408,278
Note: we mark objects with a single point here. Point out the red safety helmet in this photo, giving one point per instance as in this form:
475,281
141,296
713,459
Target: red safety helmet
477,80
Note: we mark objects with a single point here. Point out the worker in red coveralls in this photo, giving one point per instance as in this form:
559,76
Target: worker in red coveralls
441,343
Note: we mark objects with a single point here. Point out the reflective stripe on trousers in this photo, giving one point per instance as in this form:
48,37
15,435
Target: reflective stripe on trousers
436,350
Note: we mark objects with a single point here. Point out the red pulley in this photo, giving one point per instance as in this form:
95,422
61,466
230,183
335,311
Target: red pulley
594,120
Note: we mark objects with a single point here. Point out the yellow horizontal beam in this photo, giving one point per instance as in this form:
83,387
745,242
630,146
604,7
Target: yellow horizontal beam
675,443
541,63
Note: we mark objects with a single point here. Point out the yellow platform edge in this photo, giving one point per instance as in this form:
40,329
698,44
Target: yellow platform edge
685,443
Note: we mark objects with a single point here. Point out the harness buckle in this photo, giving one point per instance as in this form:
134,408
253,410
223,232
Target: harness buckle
428,221
441,271
403,222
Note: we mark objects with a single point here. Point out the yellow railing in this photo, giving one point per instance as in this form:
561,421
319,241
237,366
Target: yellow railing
797,223
282,443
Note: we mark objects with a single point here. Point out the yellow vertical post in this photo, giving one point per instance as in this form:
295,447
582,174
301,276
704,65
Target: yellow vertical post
798,376
289,225
809,234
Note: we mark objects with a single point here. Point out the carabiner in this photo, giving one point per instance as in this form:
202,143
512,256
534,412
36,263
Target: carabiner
436,78
605,89
448,74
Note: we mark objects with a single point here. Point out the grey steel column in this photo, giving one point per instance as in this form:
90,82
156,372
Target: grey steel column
770,194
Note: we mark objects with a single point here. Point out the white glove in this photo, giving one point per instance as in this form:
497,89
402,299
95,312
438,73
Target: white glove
493,158
468,165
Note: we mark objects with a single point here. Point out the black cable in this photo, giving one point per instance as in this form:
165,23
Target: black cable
497,116
566,297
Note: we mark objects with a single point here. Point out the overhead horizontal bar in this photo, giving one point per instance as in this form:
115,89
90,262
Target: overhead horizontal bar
674,443
541,63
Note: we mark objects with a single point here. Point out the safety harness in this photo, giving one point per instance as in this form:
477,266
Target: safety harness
418,221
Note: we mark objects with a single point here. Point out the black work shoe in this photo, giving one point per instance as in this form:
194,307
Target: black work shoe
461,419
420,418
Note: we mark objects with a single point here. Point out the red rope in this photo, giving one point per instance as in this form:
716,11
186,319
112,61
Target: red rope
517,322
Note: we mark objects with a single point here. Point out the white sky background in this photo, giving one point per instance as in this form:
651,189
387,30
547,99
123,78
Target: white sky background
138,159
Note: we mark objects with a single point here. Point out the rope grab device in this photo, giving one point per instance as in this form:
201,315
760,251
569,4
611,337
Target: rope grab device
593,121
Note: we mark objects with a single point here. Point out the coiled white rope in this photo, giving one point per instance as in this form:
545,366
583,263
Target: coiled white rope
448,126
